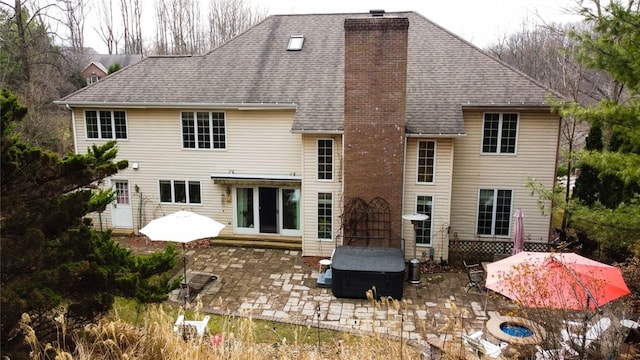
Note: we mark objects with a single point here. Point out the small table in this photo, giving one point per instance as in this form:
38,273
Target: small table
324,273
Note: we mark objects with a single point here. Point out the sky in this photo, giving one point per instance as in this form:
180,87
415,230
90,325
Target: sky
482,22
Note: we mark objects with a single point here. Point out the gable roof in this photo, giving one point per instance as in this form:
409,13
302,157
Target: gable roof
444,73
106,60
98,65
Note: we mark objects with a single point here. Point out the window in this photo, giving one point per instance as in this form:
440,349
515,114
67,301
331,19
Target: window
244,208
424,205
325,216
291,209
203,130
499,133
325,159
92,79
426,161
179,191
105,124
494,212
122,192
295,43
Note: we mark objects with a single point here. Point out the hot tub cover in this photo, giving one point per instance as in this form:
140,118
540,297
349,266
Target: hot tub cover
368,258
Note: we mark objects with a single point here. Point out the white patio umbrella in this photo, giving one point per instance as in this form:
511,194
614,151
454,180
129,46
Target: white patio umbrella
182,227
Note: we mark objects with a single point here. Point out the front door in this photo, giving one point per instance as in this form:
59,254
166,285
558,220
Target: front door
121,212
268,201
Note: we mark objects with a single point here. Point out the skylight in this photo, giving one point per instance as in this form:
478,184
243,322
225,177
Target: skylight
295,43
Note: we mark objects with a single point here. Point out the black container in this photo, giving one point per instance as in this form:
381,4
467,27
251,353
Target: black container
357,269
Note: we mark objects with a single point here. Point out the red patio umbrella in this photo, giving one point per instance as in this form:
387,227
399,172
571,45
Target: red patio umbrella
556,280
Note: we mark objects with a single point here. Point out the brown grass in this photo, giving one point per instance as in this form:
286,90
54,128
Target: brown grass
113,338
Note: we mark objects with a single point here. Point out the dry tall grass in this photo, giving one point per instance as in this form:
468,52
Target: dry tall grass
113,338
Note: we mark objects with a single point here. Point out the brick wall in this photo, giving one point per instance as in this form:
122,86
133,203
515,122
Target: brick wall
374,118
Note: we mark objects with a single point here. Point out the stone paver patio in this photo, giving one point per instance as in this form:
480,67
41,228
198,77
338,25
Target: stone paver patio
277,285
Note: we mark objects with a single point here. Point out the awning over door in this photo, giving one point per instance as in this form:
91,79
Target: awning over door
255,179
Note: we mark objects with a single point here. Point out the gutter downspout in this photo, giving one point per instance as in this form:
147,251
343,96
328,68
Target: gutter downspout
402,202
73,128
342,183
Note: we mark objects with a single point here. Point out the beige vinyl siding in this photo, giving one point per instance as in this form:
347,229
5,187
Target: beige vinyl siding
439,190
311,246
258,142
535,158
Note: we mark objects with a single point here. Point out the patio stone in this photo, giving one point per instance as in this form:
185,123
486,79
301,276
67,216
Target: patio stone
270,284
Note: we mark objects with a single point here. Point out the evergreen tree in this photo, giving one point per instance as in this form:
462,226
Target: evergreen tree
588,184
52,258
115,67
611,207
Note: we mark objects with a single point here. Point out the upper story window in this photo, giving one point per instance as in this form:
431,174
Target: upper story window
499,133
180,191
92,79
426,161
203,130
325,159
494,212
105,124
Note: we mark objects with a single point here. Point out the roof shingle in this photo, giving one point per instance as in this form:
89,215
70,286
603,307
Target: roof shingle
443,73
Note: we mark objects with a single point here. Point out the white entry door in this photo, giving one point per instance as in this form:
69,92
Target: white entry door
121,212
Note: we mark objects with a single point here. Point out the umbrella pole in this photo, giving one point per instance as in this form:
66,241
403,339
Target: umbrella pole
184,279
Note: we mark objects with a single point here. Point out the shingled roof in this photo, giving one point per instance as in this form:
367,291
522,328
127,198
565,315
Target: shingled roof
445,73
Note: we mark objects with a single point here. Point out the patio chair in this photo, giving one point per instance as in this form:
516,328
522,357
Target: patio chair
481,346
475,273
191,328
594,332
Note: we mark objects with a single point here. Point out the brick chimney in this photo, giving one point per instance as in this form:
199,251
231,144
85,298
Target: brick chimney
375,83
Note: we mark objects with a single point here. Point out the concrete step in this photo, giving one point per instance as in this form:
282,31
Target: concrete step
287,243
266,241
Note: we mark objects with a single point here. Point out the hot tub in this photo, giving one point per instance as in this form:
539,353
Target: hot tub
357,269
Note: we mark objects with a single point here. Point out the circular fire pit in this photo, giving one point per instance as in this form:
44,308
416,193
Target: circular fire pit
515,330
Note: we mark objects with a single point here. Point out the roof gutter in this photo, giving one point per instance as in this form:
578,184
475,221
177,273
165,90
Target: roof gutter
317,132
507,105
164,105
439,135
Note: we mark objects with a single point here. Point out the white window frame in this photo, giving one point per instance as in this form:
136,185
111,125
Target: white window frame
93,78
433,173
173,191
499,139
430,220
295,43
210,134
289,232
494,212
248,230
255,229
332,163
112,124
330,238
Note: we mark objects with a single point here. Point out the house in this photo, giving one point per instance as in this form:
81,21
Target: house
98,64
326,129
